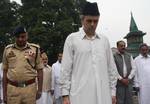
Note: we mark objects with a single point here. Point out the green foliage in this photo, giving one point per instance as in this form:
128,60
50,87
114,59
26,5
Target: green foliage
48,22
8,18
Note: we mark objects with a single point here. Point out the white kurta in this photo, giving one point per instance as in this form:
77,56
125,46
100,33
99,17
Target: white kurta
142,78
46,97
89,73
56,67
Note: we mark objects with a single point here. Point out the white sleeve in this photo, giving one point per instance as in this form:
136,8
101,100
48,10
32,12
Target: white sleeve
112,70
136,78
53,78
133,71
67,60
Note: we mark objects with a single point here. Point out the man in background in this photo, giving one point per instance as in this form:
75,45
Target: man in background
56,67
142,76
22,64
126,70
46,97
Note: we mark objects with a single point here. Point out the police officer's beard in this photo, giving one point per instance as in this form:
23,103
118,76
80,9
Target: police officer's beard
21,44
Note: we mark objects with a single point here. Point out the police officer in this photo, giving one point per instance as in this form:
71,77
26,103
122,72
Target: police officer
21,65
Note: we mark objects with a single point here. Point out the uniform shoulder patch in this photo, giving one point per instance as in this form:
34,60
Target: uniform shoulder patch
35,45
9,46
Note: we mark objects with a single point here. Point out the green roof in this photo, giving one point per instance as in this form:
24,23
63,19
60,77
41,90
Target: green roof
133,26
134,29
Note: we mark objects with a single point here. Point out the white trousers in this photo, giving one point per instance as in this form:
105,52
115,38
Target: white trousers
46,98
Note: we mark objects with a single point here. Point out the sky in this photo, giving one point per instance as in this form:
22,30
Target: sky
115,18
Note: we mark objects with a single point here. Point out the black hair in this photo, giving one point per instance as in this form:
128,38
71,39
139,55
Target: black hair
142,45
119,42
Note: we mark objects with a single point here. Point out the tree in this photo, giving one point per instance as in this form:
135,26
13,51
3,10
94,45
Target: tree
60,17
8,17
48,22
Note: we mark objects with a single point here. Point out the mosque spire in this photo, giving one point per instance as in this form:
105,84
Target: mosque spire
133,26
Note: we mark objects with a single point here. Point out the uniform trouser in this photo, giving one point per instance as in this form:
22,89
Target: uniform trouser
21,95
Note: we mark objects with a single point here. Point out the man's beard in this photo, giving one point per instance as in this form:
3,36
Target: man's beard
59,61
21,44
145,55
91,31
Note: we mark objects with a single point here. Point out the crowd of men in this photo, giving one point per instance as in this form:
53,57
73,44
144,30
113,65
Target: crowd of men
86,72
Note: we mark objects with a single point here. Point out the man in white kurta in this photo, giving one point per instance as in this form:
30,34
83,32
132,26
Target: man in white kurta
142,77
56,67
88,70
46,96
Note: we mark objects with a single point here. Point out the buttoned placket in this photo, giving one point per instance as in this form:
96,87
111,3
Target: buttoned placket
93,55
92,50
94,69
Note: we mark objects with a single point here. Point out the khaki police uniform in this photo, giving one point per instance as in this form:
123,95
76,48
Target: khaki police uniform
22,65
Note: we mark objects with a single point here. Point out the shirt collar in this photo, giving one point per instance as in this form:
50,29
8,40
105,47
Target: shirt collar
58,62
119,52
83,34
25,47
